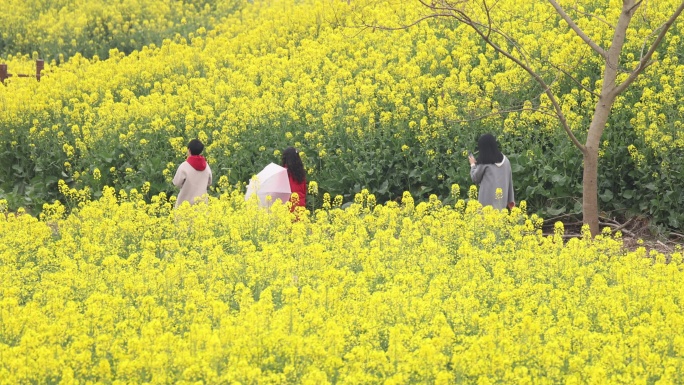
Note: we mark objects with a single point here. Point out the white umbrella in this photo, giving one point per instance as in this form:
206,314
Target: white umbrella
271,181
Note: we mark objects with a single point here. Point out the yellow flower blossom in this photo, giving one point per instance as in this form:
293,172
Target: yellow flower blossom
328,283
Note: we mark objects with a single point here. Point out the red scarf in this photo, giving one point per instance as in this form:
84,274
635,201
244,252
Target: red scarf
198,162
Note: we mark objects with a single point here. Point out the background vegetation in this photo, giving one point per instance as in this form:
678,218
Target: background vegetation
391,111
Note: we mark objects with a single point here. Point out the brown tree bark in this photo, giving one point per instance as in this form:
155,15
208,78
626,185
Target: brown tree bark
590,205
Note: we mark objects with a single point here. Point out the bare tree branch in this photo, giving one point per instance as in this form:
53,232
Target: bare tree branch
446,6
460,16
568,75
442,5
645,60
489,19
337,21
503,112
591,15
617,227
421,19
635,6
538,79
474,24
577,29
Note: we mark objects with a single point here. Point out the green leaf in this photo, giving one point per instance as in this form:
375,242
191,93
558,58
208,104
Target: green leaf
578,207
383,187
559,179
607,196
555,211
673,221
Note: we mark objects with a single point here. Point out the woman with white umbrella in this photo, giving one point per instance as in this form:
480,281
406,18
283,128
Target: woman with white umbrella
280,182
297,176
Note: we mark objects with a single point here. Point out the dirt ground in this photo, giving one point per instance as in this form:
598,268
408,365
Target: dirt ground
636,232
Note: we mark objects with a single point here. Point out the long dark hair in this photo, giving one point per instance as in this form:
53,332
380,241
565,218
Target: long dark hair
489,150
294,165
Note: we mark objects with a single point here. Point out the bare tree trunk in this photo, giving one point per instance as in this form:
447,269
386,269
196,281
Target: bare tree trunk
590,192
590,207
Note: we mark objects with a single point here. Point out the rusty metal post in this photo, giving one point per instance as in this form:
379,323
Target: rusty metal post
3,73
40,64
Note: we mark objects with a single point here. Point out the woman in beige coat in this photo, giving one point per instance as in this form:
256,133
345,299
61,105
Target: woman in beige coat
193,176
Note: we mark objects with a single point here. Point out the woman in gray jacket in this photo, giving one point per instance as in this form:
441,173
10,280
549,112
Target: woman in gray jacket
492,171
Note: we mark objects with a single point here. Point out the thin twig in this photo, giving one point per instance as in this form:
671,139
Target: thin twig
573,79
625,224
663,245
617,228
578,30
556,218
591,15
646,59
564,236
462,17
537,78
501,112
635,6
613,223
419,20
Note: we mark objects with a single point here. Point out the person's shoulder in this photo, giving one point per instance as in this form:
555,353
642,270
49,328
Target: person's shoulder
507,164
